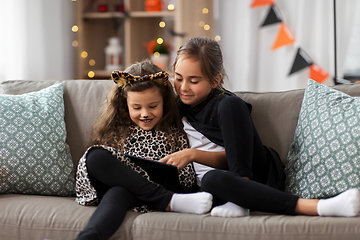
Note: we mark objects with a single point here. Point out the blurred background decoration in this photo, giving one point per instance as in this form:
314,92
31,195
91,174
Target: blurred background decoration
66,39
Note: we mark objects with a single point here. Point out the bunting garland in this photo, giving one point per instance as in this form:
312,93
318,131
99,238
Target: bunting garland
301,61
273,16
285,37
317,73
260,3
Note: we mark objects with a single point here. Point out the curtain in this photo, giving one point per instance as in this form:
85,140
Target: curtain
251,64
36,40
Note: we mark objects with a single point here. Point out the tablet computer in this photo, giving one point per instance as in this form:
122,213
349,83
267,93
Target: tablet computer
165,174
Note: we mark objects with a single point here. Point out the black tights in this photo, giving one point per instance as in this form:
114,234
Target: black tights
247,157
228,187
120,189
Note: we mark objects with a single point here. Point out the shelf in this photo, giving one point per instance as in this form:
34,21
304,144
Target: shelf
104,15
134,28
144,14
136,14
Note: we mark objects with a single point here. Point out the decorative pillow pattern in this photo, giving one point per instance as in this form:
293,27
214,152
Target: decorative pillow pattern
34,158
324,159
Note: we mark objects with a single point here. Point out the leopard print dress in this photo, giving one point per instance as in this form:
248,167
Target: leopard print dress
153,145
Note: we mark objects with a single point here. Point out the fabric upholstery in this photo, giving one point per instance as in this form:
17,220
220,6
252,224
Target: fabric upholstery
275,115
34,158
324,159
83,100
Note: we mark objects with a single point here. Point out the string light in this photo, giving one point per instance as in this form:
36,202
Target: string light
162,24
75,43
156,54
217,38
91,74
160,41
171,7
84,54
75,28
202,23
92,62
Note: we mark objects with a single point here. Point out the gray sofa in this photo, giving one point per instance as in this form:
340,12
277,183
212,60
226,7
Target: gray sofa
49,217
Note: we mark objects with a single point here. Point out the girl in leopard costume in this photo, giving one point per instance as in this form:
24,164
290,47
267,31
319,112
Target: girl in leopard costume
140,118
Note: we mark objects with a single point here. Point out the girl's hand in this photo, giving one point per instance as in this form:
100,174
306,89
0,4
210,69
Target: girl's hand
180,159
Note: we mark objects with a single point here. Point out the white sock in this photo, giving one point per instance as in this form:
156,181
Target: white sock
197,203
346,204
229,209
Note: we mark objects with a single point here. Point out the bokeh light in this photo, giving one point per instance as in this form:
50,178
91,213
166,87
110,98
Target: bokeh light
162,24
75,28
91,74
84,54
171,7
160,41
92,62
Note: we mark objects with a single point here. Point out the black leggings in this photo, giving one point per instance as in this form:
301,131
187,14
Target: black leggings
120,189
247,157
229,187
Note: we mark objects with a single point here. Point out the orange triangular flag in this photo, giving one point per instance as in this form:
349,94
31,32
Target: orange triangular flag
284,37
259,3
318,74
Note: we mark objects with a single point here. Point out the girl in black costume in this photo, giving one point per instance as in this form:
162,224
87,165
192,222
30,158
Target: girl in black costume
217,121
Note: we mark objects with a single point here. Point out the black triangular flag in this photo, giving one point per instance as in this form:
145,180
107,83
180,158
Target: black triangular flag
273,16
301,61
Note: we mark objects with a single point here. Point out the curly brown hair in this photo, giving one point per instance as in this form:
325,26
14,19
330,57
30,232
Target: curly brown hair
111,128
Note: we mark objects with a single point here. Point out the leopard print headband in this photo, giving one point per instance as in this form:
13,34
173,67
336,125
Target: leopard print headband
124,78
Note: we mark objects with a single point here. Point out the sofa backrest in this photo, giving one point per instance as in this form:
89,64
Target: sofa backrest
275,114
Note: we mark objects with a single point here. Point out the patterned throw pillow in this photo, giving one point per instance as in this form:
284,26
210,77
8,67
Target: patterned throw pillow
34,158
324,159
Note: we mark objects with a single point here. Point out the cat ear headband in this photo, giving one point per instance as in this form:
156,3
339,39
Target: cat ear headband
123,78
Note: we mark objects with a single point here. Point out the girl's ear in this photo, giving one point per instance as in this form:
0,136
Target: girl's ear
217,80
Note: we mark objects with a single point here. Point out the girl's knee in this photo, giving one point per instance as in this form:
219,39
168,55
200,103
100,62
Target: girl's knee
94,157
210,179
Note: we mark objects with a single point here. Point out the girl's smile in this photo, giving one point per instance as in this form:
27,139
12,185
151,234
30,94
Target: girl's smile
190,83
145,107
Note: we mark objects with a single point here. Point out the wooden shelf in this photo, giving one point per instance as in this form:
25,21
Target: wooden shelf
143,14
135,28
103,15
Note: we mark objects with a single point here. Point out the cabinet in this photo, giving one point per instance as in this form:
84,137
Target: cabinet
135,27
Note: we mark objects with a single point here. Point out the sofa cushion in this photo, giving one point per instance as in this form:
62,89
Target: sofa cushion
258,226
324,158
34,158
34,217
83,100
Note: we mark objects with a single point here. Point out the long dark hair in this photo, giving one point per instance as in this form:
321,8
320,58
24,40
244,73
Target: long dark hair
208,53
